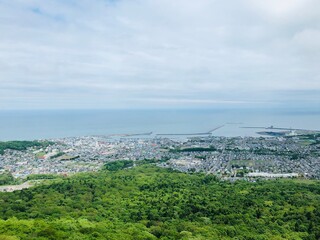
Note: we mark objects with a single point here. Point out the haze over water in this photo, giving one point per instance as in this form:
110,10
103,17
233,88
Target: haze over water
29,125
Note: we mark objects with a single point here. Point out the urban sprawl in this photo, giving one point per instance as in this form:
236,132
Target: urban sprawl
229,158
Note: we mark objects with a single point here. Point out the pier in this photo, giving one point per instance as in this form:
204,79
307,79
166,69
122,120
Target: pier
191,134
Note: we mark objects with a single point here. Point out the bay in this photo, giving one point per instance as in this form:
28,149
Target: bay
49,124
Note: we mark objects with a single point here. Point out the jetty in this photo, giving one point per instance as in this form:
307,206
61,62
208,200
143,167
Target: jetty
191,134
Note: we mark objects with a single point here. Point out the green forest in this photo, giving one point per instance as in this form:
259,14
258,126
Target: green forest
6,178
22,145
148,202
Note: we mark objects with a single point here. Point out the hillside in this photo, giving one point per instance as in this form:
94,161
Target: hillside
148,202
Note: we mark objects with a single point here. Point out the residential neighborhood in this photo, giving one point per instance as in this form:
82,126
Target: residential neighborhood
227,157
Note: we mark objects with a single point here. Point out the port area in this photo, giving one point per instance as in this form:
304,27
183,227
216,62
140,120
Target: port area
283,131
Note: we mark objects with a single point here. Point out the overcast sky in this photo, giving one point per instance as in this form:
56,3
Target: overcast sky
159,53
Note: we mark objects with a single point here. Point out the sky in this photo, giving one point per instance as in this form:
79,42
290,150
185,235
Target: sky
100,54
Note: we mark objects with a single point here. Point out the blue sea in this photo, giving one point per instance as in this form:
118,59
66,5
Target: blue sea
49,124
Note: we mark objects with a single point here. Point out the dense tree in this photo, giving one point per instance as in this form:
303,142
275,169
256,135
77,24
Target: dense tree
22,145
6,178
118,165
148,202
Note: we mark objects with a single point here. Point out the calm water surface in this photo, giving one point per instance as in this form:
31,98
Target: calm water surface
28,125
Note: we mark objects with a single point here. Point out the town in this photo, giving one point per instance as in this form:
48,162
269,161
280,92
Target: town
226,157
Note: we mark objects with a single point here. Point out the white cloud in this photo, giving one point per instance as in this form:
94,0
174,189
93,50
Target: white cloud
276,8
308,39
107,53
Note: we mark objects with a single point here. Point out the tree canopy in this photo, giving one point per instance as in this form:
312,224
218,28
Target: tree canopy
148,202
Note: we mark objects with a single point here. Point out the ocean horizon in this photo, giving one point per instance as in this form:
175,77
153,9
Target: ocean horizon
50,124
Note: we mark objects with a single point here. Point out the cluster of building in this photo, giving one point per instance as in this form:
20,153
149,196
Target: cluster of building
229,157
247,156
